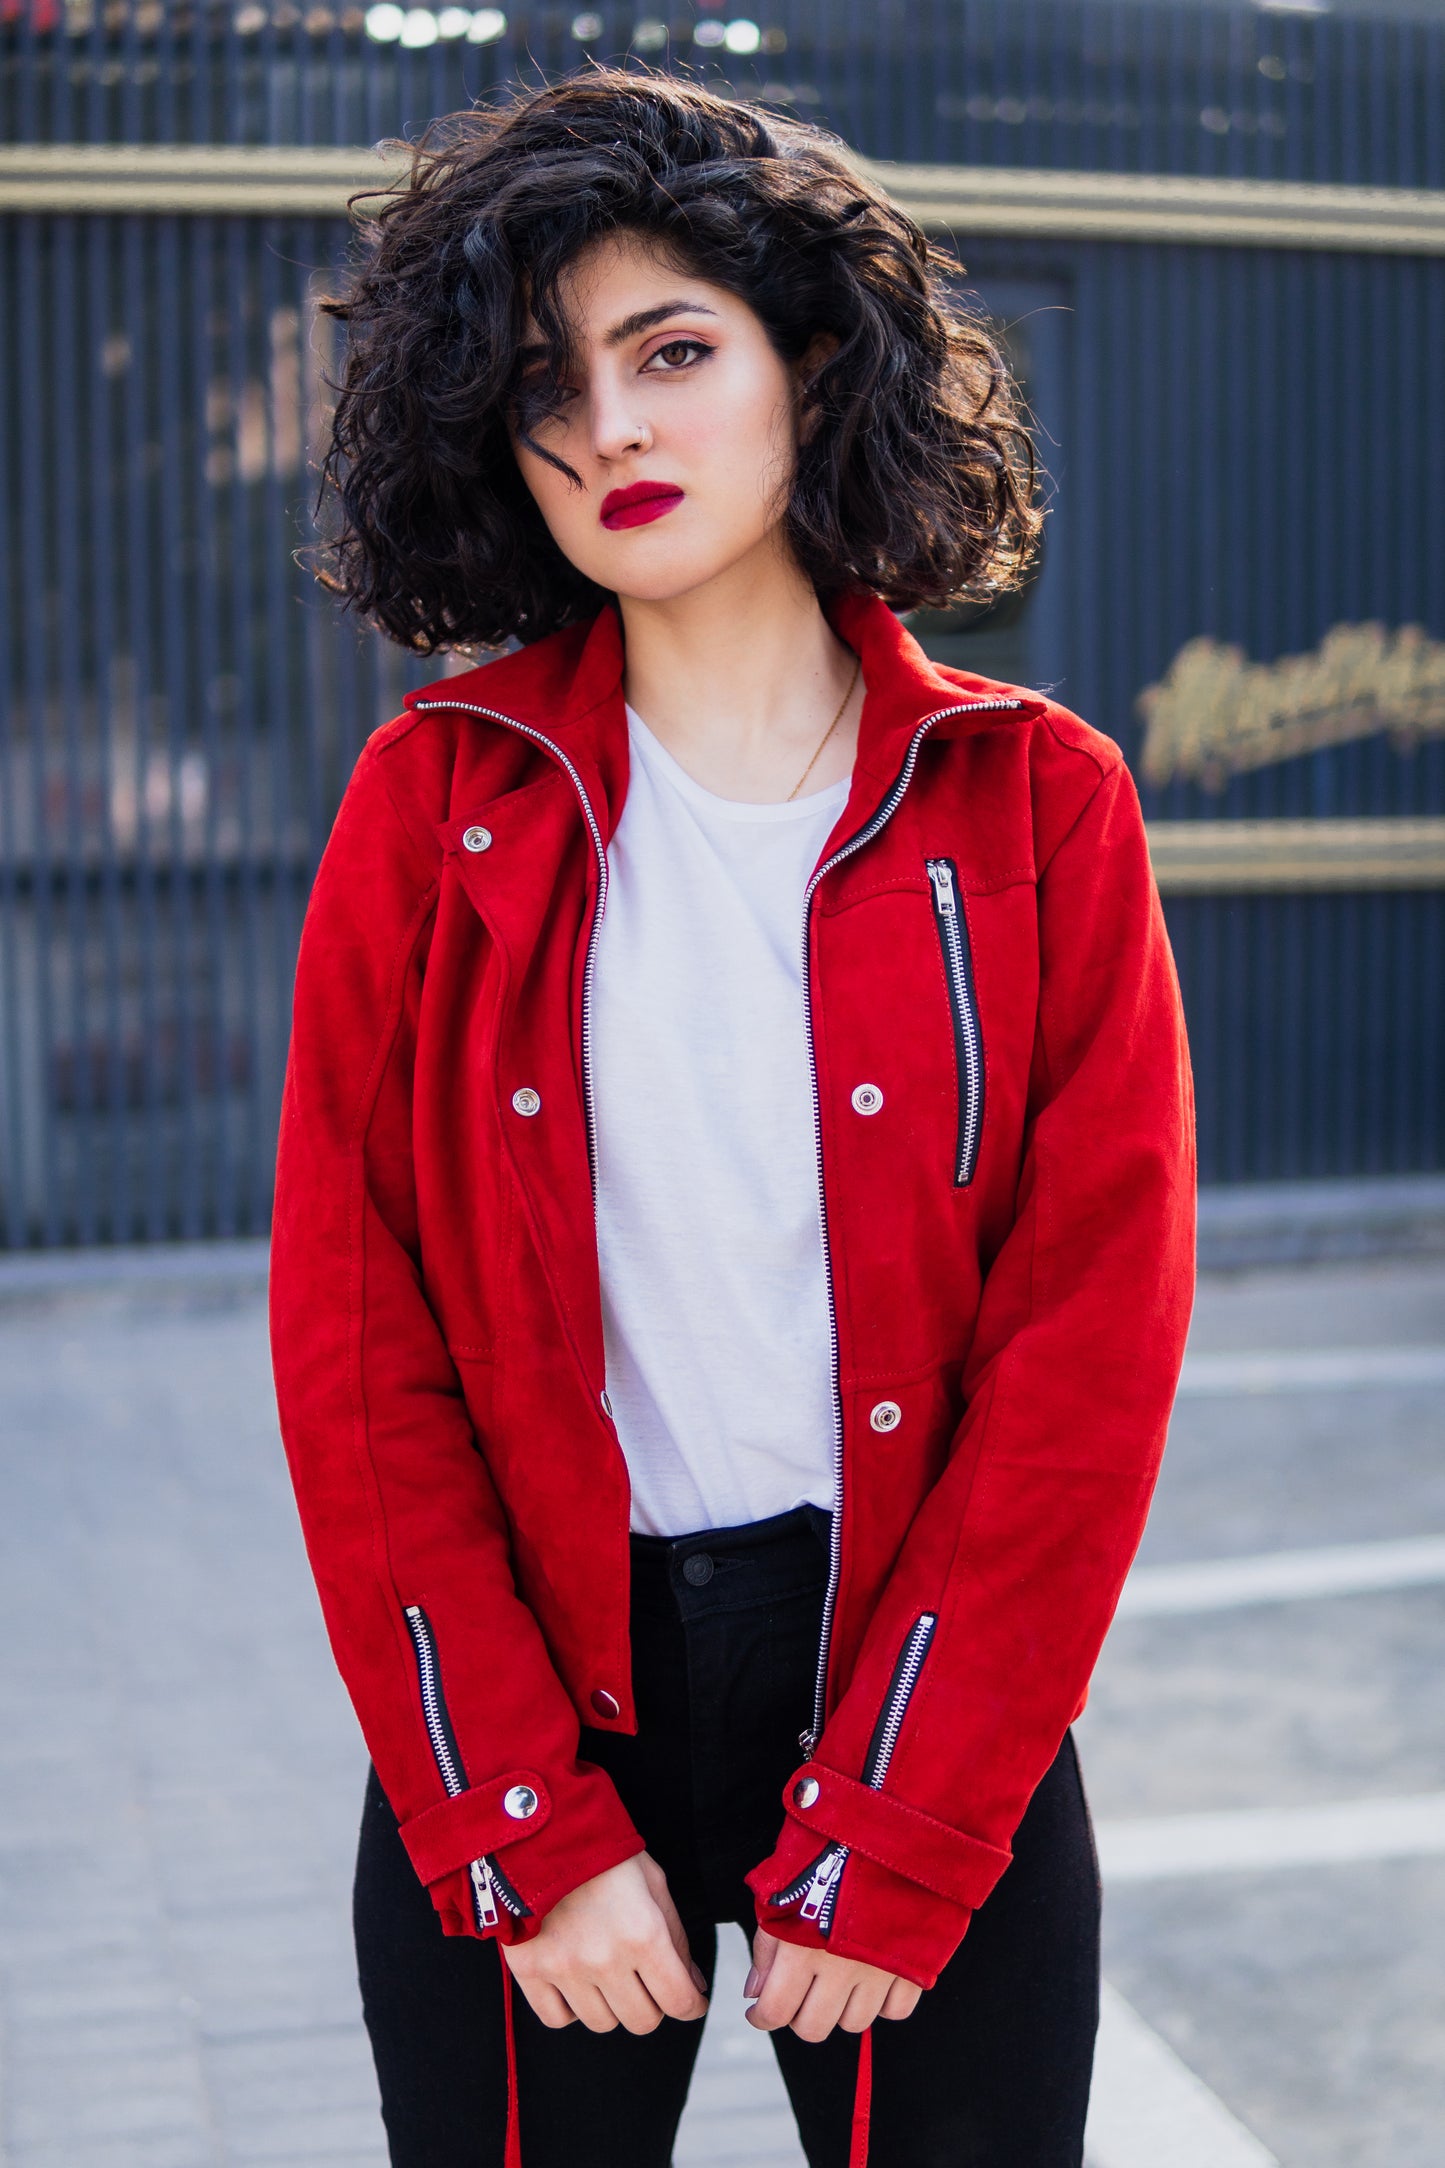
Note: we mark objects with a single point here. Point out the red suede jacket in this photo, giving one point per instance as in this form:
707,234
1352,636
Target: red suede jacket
1004,1120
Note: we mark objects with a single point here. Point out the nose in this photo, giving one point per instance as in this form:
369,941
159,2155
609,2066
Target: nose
619,428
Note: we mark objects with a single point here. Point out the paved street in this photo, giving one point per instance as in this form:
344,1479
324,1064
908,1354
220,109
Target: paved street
180,1773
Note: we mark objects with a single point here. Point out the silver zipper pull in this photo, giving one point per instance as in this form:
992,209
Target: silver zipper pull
825,1874
941,875
484,1889
808,1742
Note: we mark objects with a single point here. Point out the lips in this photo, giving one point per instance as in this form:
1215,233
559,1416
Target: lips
638,503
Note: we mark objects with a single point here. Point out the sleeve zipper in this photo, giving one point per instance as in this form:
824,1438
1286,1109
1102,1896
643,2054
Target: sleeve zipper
817,1885
492,1893
952,927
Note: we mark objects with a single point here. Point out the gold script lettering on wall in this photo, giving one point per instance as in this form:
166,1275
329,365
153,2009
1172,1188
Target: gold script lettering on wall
1215,713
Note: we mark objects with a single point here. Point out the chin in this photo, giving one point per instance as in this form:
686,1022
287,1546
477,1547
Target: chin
662,589
669,577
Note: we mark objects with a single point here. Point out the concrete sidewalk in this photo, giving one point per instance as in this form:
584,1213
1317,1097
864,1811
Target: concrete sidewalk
180,1772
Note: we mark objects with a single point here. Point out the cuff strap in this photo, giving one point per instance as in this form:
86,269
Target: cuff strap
459,1830
903,1838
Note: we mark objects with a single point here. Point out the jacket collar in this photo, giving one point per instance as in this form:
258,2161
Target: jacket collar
569,687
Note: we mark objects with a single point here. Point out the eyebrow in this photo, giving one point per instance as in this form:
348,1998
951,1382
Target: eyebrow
628,327
644,319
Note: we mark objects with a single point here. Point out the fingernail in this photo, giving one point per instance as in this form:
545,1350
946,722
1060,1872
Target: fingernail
752,1985
700,1977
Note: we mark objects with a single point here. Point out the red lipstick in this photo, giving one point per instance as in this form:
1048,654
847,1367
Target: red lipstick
638,503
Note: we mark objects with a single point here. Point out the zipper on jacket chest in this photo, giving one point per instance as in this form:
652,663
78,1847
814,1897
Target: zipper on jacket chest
492,1893
817,1886
963,1008
808,1739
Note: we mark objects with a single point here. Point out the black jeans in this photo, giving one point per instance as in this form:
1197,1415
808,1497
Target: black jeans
990,2071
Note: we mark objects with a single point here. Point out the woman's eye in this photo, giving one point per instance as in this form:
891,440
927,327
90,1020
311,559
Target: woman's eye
676,354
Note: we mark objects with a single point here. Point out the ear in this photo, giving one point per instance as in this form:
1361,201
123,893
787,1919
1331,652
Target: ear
820,348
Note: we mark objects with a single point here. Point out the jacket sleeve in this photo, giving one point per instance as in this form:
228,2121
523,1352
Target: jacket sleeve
473,1735
1021,1548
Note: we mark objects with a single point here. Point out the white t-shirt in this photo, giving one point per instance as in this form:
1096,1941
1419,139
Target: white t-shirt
714,1302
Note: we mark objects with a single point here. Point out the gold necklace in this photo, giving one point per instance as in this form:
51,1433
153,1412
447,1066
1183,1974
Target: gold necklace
827,734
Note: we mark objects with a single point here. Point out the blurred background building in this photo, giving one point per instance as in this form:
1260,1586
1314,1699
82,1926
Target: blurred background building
1216,235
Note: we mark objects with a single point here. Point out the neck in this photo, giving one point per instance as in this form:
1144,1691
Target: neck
739,679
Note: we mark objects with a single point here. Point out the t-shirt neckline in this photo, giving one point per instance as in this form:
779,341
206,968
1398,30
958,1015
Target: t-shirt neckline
831,799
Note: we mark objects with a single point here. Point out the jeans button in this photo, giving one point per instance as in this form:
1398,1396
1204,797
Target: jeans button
697,1570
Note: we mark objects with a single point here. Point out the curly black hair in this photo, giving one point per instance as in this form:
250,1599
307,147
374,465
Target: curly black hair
916,480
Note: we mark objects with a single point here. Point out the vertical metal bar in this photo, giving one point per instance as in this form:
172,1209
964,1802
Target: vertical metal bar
62,118
215,1208
1179,88
1432,105
73,634
95,129
139,270
203,28
254,845
175,629
12,1049
318,721
1153,485
105,363
286,835
30,107
36,629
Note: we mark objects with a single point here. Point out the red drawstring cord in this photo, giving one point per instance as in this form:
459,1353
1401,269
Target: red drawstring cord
862,2102
513,2155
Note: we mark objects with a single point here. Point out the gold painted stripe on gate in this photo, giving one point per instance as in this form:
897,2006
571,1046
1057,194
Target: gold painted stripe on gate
966,200
1229,856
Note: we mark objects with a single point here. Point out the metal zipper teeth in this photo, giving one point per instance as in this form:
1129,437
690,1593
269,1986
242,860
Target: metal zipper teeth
433,1708
808,1740
943,874
485,1874
880,1754
900,1693
526,730
834,1857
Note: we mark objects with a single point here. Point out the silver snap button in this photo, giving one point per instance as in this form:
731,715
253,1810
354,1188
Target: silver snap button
519,1802
886,1416
604,1703
477,839
607,1406
805,1791
526,1101
867,1099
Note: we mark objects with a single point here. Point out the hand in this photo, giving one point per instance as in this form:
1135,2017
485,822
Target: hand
812,1990
611,1952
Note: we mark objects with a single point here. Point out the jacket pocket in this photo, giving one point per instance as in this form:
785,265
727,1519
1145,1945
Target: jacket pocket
815,1891
948,917
492,1893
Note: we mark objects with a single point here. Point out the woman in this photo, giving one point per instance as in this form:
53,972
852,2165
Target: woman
723,1373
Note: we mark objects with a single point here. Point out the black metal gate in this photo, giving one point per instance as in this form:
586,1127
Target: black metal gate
1247,443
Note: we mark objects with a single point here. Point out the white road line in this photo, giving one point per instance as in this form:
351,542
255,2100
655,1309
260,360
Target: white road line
1310,1370
1340,1569
1243,1840
1147,2109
